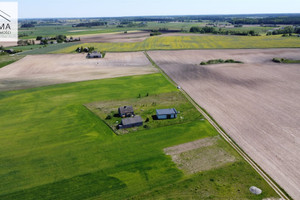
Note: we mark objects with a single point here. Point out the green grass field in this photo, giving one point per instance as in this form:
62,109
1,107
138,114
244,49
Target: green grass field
40,49
8,59
52,147
68,30
195,42
258,29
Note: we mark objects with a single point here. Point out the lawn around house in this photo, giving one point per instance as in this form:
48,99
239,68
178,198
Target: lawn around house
145,105
53,147
194,42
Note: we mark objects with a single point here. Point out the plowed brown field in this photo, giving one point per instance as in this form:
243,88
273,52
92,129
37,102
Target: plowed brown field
257,103
41,70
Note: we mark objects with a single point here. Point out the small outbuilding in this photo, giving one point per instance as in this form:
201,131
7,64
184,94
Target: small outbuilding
94,54
131,122
126,111
170,113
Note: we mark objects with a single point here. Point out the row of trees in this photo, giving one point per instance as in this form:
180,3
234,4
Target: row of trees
131,24
58,38
90,24
29,25
266,20
288,30
220,31
26,42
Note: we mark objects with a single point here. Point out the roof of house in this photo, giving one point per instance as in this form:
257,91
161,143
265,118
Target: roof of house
169,111
132,120
126,109
95,53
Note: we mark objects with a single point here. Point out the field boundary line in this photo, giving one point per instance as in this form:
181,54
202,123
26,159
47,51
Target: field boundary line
283,195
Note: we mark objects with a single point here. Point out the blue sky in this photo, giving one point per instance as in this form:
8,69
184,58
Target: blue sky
112,8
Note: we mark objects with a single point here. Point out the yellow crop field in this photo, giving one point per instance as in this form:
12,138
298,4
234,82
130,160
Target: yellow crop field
194,42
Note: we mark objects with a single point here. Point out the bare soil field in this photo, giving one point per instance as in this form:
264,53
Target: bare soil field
41,70
199,155
8,44
257,103
133,36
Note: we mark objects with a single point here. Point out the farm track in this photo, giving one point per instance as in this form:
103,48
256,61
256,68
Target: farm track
226,137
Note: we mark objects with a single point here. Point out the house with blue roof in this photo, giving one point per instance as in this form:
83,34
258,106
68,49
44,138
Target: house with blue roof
170,113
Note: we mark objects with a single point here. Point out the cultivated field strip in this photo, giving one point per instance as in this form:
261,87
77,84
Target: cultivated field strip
238,149
270,181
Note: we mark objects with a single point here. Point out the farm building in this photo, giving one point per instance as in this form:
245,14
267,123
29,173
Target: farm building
170,113
94,54
131,122
126,111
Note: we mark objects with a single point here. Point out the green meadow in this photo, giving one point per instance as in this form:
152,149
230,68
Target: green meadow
68,30
8,59
194,42
53,147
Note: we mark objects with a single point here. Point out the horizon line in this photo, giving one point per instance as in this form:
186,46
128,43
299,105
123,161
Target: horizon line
160,16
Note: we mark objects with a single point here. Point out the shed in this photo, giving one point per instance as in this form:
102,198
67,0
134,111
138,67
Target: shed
126,111
170,113
131,122
94,54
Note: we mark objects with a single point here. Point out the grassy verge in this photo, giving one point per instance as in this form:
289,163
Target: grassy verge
194,42
7,59
47,49
52,147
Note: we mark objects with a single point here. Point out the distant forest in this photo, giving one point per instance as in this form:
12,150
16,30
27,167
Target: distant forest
269,20
273,19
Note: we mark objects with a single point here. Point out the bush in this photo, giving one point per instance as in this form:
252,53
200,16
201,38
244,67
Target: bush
155,33
108,117
219,61
195,29
29,25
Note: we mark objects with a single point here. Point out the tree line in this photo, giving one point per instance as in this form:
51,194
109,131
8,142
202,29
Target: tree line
268,20
90,24
221,31
288,30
